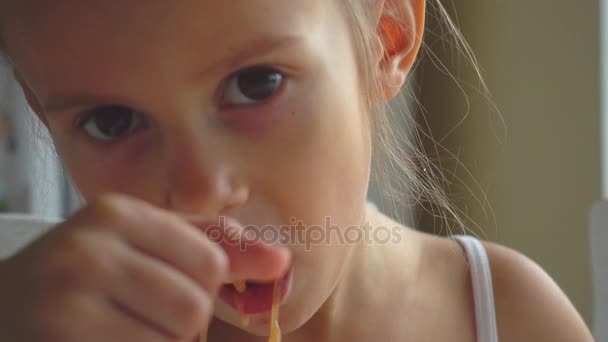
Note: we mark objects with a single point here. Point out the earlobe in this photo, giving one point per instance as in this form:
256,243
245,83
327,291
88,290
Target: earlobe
400,29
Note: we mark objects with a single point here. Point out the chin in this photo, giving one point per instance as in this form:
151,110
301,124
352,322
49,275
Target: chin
259,324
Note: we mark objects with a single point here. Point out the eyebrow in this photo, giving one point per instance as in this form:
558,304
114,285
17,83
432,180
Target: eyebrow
257,47
65,103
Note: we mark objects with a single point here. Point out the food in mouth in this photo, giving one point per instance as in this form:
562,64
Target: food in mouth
249,297
275,329
241,287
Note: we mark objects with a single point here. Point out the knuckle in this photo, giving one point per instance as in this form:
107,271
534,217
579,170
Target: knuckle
192,310
110,205
92,261
61,274
61,279
216,263
79,257
53,316
166,220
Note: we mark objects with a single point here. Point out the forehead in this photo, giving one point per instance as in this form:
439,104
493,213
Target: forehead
117,31
151,16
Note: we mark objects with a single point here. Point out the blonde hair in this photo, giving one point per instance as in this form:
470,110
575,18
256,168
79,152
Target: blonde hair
401,168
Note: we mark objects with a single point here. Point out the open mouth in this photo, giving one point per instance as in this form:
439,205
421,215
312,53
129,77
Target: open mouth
255,297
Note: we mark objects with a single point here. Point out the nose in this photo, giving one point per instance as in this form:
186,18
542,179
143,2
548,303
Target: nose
203,180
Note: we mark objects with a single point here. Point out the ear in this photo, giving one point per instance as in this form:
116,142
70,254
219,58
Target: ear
400,27
31,98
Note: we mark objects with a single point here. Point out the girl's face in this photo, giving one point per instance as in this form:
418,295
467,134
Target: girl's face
250,109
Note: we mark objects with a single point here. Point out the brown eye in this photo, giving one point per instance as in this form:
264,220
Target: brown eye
252,85
111,122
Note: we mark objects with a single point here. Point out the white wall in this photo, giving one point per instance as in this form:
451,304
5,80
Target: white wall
604,96
541,177
36,164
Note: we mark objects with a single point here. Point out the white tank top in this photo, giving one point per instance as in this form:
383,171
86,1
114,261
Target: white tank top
481,278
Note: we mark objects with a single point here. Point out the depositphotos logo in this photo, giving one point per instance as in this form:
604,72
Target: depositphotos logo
298,233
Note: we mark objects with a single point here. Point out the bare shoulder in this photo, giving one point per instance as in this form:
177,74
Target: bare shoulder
530,306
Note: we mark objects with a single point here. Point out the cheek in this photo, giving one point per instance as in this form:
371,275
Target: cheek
126,171
324,162
332,149
323,158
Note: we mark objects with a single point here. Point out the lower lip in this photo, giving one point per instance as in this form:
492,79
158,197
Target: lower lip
257,298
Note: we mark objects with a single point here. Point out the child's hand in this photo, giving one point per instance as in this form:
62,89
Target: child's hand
122,270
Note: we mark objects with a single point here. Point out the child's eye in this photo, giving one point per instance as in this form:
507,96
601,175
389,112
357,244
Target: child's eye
111,123
252,86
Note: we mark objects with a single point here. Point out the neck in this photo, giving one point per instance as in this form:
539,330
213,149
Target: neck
364,289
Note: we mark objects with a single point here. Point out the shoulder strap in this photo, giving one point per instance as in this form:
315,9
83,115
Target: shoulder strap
481,276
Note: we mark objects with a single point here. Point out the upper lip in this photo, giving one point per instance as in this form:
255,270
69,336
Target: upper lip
250,281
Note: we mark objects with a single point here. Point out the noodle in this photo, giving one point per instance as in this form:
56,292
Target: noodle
241,286
244,316
275,329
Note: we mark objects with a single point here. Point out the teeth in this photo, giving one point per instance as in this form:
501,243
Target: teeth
240,286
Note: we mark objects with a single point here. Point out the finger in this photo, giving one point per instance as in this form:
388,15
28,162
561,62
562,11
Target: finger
174,239
124,325
91,317
161,296
167,237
